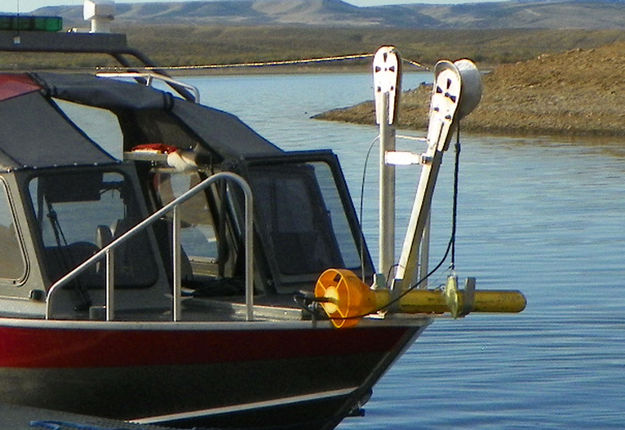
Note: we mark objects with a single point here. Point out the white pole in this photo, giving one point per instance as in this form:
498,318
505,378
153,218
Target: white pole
176,251
387,195
387,82
110,285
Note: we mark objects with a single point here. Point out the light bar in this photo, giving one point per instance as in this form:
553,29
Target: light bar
31,23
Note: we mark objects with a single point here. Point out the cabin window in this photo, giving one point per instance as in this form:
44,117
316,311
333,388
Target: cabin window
198,238
100,125
80,213
12,262
304,219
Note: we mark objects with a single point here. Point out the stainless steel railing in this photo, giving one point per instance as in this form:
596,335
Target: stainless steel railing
151,76
108,251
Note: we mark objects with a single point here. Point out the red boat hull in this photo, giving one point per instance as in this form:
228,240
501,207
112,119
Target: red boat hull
234,375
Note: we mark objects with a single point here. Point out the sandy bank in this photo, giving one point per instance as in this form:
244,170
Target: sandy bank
579,92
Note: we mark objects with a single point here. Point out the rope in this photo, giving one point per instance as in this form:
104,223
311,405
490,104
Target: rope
416,64
259,64
249,64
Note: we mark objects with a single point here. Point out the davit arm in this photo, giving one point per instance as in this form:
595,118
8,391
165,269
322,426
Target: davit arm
346,299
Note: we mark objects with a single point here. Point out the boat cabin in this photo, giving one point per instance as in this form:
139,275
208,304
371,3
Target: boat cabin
84,159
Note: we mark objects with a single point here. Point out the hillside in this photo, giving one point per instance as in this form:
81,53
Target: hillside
545,14
579,92
183,45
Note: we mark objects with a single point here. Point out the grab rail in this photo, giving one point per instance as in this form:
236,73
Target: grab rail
150,76
107,251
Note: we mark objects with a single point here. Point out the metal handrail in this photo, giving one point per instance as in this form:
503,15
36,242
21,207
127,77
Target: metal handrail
150,76
107,251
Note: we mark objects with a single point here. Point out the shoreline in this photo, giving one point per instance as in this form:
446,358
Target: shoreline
576,93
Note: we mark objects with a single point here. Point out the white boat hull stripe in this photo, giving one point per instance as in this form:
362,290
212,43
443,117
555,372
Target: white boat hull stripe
244,407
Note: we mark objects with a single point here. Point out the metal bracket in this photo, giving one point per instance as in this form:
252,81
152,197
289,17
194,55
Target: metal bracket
468,297
405,158
452,296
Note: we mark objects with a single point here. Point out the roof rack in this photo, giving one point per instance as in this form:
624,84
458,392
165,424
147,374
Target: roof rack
113,44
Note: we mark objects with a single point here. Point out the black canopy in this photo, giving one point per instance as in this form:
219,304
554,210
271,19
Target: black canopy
219,132
34,134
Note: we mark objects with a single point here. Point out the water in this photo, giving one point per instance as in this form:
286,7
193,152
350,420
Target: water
544,216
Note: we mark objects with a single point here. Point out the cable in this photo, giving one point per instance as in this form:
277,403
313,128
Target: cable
255,64
454,216
402,295
416,64
249,64
362,194
450,244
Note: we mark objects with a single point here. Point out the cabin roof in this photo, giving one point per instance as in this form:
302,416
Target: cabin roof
34,133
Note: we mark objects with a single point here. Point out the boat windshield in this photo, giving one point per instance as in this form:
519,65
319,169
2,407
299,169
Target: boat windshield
78,214
304,220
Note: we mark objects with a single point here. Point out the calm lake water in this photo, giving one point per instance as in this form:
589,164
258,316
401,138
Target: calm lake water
541,215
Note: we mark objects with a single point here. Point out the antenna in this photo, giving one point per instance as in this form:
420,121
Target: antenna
101,13
17,39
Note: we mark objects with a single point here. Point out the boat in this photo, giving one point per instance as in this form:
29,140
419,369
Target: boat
203,277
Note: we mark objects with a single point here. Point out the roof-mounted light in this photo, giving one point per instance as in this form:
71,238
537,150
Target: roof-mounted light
31,23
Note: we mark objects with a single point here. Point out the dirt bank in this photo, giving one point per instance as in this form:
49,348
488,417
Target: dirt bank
579,92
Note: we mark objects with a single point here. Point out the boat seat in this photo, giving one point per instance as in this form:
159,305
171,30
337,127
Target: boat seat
103,236
60,260
162,230
126,253
134,260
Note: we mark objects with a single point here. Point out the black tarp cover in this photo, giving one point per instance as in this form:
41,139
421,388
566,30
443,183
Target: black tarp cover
220,132
105,93
34,134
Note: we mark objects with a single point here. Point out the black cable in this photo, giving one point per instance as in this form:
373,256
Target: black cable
450,245
454,215
402,295
390,269
362,194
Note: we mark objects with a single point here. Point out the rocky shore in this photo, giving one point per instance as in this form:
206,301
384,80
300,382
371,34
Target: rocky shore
579,92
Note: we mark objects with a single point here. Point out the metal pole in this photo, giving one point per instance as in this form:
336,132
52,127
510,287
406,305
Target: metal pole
249,247
443,115
110,285
177,287
424,256
387,83
387,194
